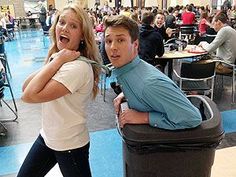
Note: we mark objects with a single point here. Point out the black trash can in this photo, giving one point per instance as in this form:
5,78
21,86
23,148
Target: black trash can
153,152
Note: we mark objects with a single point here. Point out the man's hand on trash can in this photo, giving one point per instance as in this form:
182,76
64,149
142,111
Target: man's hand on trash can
117,101
131,116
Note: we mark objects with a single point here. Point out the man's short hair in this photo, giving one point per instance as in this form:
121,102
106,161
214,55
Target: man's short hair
147,18
125,22
170,10
189,8
222,17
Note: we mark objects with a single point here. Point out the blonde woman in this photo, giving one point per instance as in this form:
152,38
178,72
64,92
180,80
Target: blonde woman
64,86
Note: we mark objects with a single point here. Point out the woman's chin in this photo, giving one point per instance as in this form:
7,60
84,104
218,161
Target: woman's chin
61,46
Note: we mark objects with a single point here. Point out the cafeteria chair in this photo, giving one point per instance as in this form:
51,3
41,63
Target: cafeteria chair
106,70
3,130
3,54
5,83
194,76
106,73
232,74
187,32
10,31
210,37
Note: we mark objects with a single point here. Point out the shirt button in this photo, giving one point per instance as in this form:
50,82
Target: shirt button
155,125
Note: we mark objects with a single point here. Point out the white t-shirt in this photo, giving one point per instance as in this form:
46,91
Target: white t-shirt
64,119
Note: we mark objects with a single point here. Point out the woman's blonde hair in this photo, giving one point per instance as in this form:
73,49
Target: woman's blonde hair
89,49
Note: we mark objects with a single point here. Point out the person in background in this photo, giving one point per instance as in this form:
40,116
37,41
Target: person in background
204,24
152,97
3,25
125,11
64,86
10,17
151,42
170,21
227,5
203,27
42,14
223,44
202,9
188,17
48,22
166,34
106,9
134,16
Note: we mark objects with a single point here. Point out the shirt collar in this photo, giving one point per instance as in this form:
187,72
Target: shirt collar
119,71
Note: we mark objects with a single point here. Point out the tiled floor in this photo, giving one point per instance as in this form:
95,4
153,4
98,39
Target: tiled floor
25,55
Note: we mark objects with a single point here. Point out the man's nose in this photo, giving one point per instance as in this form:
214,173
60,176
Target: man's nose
113,45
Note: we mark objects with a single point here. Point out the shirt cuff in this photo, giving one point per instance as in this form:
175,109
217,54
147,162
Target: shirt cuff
205,46
154,119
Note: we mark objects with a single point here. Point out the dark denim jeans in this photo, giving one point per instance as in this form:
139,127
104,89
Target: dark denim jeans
40,159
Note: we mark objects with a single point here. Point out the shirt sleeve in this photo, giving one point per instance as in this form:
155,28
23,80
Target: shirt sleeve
218,41
171,108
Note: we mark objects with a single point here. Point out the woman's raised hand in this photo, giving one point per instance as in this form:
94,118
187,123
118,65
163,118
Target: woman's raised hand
66,55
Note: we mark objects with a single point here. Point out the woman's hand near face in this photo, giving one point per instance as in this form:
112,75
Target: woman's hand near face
41,87
66,55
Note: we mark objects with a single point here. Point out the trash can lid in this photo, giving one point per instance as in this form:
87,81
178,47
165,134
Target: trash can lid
209,131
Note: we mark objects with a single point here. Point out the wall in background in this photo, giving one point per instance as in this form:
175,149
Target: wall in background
18,6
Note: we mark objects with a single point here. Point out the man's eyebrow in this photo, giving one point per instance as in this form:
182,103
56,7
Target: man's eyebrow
117,35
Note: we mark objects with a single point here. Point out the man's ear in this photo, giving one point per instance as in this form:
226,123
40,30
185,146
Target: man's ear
136,44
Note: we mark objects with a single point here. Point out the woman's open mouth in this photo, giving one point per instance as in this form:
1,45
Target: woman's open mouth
64,39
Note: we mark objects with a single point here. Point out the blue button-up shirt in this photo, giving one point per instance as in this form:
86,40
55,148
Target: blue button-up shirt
149,90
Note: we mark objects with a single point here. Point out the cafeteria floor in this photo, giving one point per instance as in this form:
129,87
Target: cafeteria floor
26,54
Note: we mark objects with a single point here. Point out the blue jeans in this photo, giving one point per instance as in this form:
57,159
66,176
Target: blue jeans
40,159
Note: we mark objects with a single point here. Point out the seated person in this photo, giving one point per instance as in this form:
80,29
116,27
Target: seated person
223,44
188,17
152,97
204,24
151,42
166,34
203,28
170,19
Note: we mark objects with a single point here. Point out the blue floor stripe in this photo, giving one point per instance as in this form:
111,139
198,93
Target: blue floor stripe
105,155
229,121
12,157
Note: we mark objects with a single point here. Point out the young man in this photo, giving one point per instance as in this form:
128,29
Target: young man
151,42
223,44
152,97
